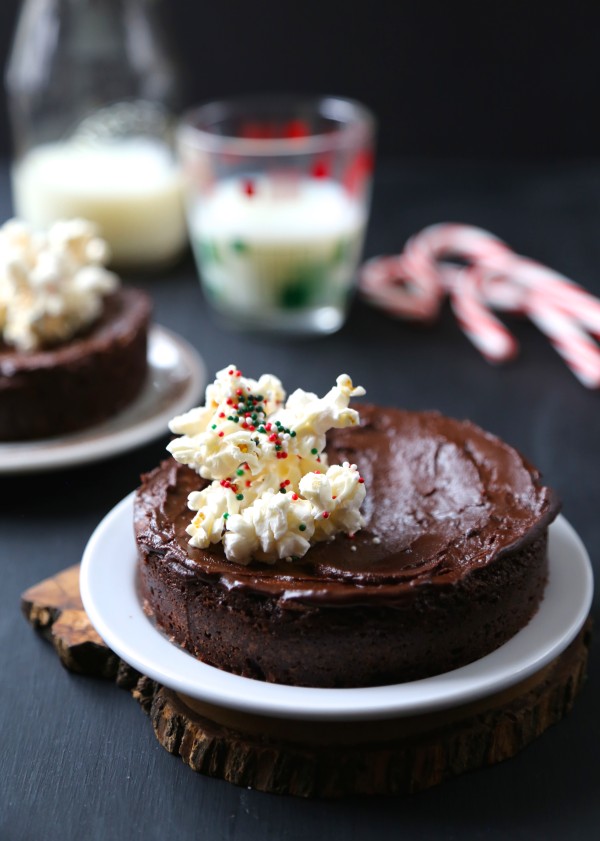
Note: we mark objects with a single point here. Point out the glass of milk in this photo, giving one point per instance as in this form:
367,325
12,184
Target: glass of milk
91,89
278,193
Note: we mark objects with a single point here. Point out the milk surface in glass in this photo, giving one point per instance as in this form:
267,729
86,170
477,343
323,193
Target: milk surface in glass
278,251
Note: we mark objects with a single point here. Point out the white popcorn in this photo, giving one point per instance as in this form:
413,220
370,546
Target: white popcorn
212,504
274,526
336,497
269,496
52,284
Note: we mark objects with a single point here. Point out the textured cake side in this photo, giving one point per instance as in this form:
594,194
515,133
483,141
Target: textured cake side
81,383
441,628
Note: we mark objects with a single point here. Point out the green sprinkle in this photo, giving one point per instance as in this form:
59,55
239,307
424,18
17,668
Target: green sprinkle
302,527
240,472
214,426
277,447
226,515
292,434
261,429
236,420
239,496
314,451
282,490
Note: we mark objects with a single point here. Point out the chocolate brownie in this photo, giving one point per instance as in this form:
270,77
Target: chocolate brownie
81,382
451,563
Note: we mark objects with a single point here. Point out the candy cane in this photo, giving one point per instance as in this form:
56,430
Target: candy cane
484,330
413,284
578,350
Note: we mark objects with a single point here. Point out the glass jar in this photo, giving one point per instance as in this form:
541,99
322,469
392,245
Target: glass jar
91,91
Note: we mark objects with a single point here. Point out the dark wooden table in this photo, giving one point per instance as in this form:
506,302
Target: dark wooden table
78,759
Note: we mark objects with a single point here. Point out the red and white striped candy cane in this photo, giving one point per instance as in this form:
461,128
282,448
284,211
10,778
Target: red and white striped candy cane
482,328
562,292
389,283
579,351
413,284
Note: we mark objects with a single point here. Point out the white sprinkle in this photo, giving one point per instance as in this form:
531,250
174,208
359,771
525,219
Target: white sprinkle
353,548
376,540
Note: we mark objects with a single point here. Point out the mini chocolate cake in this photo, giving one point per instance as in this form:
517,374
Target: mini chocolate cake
80,382
451,563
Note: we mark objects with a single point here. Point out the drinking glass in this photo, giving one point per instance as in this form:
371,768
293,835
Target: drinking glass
91,91
278,192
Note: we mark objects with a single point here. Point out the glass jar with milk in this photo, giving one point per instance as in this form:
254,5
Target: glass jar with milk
90,89
277,201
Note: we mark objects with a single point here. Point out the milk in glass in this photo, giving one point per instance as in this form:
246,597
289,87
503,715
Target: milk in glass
278,251
131,188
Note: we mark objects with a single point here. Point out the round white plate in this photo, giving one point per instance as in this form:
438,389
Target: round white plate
176,378
110,597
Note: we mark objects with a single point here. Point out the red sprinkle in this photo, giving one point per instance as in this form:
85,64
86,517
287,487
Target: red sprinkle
221,434
231,373
248,483
320,170
244,425
361,481
249,188
239,391
238,373
221,414
325,515
272,437
294,497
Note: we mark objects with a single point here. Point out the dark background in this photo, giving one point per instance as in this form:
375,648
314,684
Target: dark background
513,82
482,79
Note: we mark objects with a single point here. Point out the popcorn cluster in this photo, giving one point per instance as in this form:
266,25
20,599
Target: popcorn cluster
51,284
272,493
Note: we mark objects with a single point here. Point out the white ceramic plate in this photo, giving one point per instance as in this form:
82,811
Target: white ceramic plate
176,377
110,597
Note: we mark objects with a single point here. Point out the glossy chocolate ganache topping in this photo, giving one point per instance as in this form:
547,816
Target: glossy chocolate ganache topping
443,498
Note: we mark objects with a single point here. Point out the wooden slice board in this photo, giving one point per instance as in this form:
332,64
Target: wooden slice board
316,759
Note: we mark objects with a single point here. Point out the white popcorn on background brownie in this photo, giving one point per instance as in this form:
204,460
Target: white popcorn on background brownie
52,284
272,492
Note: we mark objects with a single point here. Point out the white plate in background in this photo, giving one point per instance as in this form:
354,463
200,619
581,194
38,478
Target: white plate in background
176,378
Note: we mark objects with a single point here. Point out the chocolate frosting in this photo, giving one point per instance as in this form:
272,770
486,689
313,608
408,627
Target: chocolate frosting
443,498
120,310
